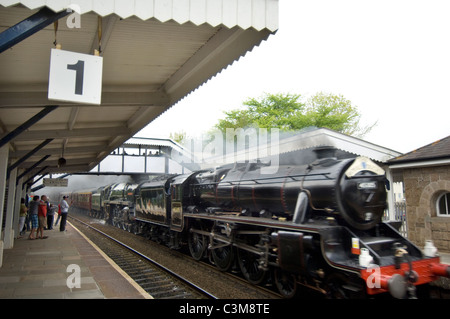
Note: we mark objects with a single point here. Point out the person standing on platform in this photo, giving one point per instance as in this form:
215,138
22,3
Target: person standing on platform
42,214
51,216
59,214
28,199
34,209
22,216
64,211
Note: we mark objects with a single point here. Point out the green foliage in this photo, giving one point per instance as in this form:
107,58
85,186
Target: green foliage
289,112
179,137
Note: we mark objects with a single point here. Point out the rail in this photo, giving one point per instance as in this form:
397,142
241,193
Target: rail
149,279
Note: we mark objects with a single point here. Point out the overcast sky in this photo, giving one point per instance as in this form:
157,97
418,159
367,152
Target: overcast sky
391,58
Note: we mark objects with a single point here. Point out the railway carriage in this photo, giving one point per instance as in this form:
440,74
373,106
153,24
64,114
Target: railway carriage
82,199
97,203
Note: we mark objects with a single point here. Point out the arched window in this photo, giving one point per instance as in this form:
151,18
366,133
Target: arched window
443,205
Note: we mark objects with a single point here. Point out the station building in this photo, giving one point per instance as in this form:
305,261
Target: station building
425,173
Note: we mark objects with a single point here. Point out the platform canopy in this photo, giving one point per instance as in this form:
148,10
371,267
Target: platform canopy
155,52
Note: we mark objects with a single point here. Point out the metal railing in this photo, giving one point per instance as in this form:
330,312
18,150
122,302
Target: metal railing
399,215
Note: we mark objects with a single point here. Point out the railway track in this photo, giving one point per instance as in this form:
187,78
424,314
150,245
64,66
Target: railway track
222,285
157,280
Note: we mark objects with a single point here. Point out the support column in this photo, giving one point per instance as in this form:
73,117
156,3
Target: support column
9,232
20,192
4,153
166,164
390,196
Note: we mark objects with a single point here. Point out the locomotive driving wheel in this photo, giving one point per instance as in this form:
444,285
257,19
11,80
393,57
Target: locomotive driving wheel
197,242
223,257
286,283
335,284
249,265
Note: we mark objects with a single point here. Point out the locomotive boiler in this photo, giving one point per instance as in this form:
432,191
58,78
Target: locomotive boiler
316,224
351,190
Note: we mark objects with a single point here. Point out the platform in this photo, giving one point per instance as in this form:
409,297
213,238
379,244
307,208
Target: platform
39,269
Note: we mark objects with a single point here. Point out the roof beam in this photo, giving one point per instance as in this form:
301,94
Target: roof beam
73,117
139,119
68,169
53,163
57,150
28,27
30,178
34,166
21,129
38,99
55,134
28,155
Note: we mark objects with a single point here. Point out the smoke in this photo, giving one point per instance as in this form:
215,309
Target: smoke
233,146
241,145
82,182
269,146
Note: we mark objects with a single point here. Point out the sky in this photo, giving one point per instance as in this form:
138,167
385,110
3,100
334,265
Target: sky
390,58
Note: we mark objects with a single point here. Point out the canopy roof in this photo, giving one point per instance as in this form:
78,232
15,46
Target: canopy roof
154,54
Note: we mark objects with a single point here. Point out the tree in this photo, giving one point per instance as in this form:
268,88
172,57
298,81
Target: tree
274,110
289,112
334,112
179,137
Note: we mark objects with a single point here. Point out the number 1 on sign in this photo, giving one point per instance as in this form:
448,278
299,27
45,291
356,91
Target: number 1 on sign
79,74
75,77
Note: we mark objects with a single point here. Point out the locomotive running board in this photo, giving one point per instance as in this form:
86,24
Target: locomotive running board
263,222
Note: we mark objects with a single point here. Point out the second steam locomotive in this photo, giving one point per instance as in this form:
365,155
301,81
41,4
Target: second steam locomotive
318,224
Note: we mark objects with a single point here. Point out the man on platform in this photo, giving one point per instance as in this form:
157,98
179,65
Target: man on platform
42,214
64,211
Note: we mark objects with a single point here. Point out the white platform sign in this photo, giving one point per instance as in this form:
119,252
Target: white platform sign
75,77
56,182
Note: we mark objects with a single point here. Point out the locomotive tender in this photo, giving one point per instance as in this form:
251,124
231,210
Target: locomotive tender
317,224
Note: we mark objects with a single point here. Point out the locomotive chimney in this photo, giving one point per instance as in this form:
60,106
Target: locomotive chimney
325,152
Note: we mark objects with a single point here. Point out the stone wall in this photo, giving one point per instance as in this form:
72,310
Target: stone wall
422,188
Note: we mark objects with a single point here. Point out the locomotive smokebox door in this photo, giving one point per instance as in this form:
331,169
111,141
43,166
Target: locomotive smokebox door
290,251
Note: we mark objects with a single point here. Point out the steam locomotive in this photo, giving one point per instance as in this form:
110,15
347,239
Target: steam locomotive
317,224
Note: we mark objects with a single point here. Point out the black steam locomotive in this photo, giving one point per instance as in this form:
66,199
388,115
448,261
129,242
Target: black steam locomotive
317,224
